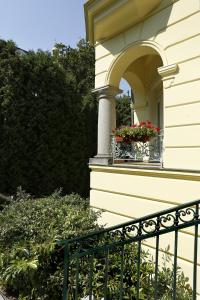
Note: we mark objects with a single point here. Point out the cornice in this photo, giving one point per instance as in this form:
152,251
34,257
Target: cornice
99,14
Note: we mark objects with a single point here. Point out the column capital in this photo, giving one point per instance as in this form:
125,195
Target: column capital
108,90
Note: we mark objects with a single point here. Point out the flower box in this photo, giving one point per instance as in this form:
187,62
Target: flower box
143,133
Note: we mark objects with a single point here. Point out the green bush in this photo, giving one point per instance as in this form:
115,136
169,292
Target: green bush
48,119
31,263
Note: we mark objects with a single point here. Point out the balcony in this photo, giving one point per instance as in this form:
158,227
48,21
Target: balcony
148,153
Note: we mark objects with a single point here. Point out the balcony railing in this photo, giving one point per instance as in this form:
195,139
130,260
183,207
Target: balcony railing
110,264
138,151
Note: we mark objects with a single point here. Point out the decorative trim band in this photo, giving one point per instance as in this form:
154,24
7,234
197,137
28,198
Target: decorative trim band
171,174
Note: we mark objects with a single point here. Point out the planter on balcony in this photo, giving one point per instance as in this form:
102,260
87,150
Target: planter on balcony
139,139
143,132
118,139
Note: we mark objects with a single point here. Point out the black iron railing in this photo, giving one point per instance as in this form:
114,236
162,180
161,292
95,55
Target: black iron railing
110,264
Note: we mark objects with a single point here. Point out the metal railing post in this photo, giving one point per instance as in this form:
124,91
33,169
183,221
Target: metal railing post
195,254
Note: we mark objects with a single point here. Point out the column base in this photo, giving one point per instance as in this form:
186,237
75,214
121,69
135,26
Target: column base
102,160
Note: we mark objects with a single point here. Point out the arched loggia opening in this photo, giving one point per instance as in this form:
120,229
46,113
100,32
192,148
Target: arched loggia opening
138,65
124,105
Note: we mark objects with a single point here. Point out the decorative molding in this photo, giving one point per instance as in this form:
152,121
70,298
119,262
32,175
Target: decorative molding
167,74
168,70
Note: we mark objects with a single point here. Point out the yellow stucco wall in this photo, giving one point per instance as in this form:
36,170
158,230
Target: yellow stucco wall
173,29
126,194
169,27
135,192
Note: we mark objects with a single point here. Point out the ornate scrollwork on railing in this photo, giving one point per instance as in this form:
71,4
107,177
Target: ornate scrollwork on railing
166,221
132,231
138,151
187,215
118,234
149,226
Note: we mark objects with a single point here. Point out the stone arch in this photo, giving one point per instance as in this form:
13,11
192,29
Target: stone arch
138,64
129,55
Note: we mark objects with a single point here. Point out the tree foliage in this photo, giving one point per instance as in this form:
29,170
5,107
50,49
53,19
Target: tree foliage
123,111
48,118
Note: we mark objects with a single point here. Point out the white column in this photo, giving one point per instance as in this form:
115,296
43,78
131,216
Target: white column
106,123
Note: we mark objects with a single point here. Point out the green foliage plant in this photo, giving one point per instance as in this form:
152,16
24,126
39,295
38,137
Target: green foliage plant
31,262
130,283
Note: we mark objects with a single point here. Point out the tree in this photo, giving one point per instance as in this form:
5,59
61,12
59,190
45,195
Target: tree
123,110
46,115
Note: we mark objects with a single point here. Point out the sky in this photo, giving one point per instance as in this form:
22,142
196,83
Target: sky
39,24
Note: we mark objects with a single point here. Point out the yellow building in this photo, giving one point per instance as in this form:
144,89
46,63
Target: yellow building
155,46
